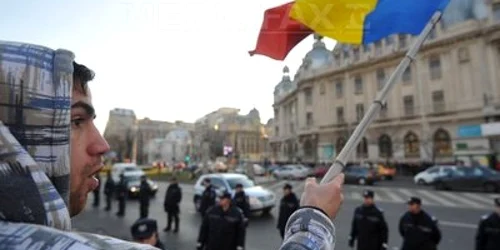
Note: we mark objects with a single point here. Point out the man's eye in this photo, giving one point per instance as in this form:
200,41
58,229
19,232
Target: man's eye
77,122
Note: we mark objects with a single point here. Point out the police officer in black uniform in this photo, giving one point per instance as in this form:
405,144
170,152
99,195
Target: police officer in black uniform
122,192
109,190
173,197
369,227
419,230
144,196
145,231
288,204
488,232
222,227
97,191
207,197
240,200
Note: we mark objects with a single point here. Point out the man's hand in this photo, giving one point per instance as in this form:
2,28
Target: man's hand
327,197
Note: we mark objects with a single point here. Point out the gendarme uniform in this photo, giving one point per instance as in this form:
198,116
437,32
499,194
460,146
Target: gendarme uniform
145,228
488,232
419,231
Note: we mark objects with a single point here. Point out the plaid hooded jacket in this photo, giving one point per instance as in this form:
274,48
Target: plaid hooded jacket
35,97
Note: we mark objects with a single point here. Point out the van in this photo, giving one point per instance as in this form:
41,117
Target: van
122,167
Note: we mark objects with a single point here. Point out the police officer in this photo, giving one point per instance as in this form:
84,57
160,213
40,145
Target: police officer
109,190
488,232
369,227
173,197
144,196
240,200
145,231
419,230
122,191
97,191
288,204
207,197
222,227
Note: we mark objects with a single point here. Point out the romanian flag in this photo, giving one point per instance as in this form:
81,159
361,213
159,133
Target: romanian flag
365,21
279,33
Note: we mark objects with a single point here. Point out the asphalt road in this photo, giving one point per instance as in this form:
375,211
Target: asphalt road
458,215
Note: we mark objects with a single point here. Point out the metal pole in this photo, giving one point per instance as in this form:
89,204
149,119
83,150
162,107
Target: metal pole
374,109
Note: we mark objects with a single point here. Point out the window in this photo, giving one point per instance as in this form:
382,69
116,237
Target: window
346,52
240,180
276,114
442,143
355,52
366,48
337,58
341,141
378,48
308,148
309,119
277,131
389,40
412,145
385,146
408,105
360,111
358,85
322,89
435,67
463,55
339,89
407,75
362,149
308,95
292,127
496,11
217,183
340,115
438,101
402,41
380,78
433,170
384,110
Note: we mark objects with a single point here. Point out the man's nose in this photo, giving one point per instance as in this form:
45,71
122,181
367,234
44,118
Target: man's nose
99,145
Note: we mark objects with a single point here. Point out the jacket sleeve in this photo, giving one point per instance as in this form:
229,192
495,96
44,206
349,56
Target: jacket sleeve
436,232
354,228
480,239
179,198
202,237
384,231
240,241
165,200
400,227
309,228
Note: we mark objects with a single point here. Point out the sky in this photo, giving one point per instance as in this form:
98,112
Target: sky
165,59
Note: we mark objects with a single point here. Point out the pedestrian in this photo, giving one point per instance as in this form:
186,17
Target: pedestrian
109,190
145,231
97,191
207,197
49,157
173,197
223,227
488,231
241,200
419,230
369,227
122,193
144,196
288,204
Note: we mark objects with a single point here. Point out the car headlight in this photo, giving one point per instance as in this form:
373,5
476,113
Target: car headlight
154,186
134,189
254,201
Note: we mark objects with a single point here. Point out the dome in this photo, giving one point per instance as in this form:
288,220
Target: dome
254,113
319,56
178,134
284,85
462,10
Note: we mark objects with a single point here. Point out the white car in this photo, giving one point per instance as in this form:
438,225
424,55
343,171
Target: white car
429,175
261,199
119,168
292,172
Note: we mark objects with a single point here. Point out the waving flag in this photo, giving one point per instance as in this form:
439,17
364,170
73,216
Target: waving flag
365,21
279,34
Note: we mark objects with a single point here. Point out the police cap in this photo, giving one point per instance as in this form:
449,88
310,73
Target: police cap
239,185
144,228
368,194
287,186
497,202
414,200
225,195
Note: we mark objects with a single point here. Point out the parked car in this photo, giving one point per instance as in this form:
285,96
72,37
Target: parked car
261,199
386,172
119,168
257,169
292,172
133,179
470,178
429,176
320,171
360,175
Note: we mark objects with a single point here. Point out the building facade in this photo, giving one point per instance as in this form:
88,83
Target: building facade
453,82
120,133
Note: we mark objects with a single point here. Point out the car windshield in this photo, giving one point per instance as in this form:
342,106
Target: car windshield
243,181
134,177
489,171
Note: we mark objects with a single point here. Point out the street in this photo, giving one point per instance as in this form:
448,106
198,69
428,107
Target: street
458,214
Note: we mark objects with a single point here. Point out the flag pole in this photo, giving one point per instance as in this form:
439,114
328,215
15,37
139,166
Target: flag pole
374,110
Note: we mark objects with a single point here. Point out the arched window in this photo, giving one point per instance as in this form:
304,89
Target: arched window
362,149
341,141
308,148
412,145
442,143
385,146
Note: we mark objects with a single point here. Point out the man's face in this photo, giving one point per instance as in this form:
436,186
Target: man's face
224,202
414,208
286,191
87,148
368,201
239,189
150,241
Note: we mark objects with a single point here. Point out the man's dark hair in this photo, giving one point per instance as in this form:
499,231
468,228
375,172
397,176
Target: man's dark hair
83,75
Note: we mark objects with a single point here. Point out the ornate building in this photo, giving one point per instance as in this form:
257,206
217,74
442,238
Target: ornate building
120,133
453,82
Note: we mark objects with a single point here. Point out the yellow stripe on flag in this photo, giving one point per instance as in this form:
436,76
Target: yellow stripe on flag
342,20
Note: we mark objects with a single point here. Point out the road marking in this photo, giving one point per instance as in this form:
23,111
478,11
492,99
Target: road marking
493,196
436,198
274,186
356,196
393,196
406,192
461,199
457,224
480,198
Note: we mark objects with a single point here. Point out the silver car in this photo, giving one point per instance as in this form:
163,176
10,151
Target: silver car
261,199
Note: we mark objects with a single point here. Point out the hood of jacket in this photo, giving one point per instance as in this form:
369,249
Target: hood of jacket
35,98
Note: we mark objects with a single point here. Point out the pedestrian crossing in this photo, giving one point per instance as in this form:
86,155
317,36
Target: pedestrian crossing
400,195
